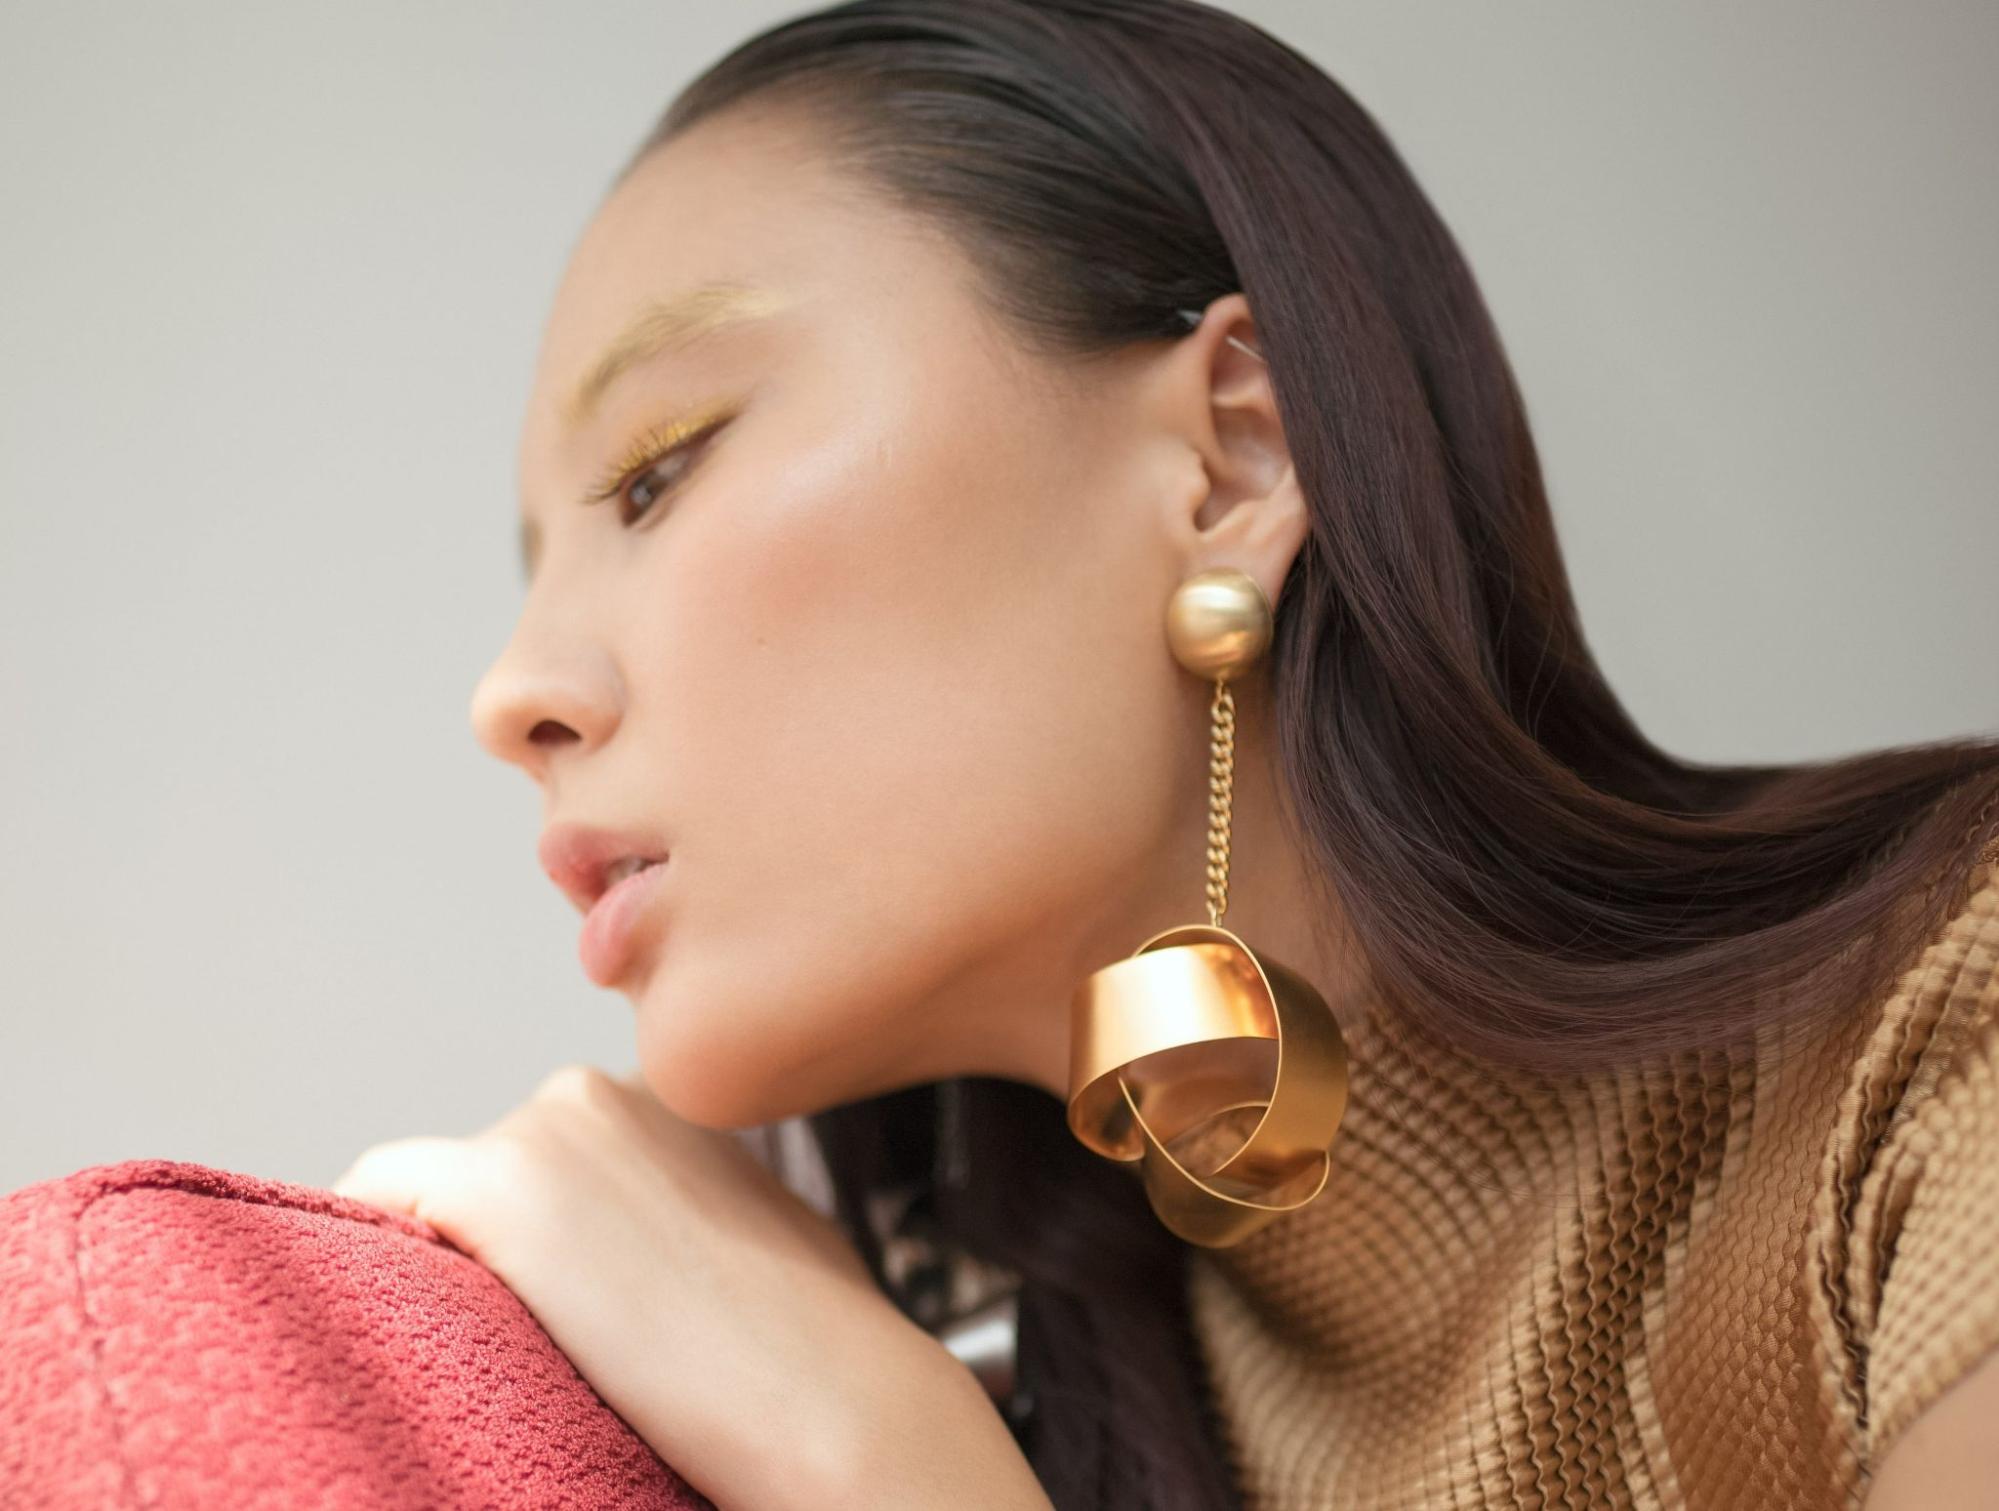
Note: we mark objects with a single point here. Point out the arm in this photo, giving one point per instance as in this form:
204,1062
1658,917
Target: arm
1947,1459
929,1436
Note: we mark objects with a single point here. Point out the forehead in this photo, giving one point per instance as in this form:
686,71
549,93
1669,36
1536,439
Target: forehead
742,213
736,216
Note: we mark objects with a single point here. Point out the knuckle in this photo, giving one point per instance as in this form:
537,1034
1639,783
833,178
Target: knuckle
576,1083
378,1160
508,1163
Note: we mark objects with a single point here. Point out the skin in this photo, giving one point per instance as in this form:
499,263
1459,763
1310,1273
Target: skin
886,669
1947,1459
882,663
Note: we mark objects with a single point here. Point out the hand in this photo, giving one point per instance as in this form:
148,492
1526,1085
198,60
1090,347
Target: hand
726,1320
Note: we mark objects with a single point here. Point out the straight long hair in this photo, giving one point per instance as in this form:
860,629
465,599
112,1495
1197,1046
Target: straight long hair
1528,876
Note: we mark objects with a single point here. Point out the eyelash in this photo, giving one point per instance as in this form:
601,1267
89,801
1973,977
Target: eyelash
652,447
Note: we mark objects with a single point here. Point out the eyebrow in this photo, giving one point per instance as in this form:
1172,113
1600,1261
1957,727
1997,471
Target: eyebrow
663,324
660,325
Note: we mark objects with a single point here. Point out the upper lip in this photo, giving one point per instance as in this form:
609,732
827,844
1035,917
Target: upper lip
576,856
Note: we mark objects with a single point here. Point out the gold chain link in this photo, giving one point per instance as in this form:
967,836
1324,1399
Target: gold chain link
1221,793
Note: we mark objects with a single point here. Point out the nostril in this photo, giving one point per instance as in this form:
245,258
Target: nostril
550,732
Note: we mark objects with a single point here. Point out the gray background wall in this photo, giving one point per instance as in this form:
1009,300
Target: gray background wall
271,279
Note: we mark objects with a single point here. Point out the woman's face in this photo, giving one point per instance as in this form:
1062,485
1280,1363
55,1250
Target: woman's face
877,659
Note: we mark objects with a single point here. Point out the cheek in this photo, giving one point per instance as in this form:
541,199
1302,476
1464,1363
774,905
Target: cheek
903,725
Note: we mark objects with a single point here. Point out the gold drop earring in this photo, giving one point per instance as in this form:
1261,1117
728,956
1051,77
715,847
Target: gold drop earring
1224,1075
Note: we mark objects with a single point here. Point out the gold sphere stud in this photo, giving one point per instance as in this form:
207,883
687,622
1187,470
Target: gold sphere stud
1218,622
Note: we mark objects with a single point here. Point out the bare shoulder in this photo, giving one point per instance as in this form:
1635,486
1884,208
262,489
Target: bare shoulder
1947,1459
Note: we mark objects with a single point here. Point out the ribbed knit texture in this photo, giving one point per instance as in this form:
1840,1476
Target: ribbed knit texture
176,1337
1732,1281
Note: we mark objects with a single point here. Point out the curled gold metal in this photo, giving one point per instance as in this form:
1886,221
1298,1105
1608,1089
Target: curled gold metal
1223,1076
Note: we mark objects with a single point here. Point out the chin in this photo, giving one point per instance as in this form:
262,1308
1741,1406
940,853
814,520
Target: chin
710,1074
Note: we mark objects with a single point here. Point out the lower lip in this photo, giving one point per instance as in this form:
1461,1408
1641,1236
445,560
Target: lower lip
609,929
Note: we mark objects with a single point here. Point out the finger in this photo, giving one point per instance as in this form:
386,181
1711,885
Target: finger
404,1175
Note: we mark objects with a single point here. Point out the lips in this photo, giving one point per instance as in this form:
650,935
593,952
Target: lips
629,865
614,933
585,862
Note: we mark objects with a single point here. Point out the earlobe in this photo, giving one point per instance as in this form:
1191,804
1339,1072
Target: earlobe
1262,536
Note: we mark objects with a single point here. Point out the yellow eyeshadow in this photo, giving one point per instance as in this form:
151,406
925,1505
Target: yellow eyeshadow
653,442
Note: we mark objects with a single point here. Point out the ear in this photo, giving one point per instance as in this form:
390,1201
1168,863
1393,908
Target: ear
1245,508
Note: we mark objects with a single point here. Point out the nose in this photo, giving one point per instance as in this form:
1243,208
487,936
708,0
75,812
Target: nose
535,700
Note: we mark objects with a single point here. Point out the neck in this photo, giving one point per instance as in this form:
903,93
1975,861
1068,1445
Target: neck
1275,903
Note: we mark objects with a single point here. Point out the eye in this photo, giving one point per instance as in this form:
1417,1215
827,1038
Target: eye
654,465
653,479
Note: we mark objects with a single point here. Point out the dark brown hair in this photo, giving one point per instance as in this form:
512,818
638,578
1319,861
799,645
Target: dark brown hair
1527,875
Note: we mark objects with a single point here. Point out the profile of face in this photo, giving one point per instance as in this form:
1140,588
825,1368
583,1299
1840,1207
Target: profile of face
865,631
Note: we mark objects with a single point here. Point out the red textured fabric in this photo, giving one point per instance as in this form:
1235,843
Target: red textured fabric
173,1335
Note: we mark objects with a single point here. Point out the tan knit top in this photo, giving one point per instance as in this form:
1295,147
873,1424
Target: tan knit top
1730,1283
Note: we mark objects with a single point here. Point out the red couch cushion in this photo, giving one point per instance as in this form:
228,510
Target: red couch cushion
173,1335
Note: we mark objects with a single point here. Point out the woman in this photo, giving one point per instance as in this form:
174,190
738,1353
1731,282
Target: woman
914,367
